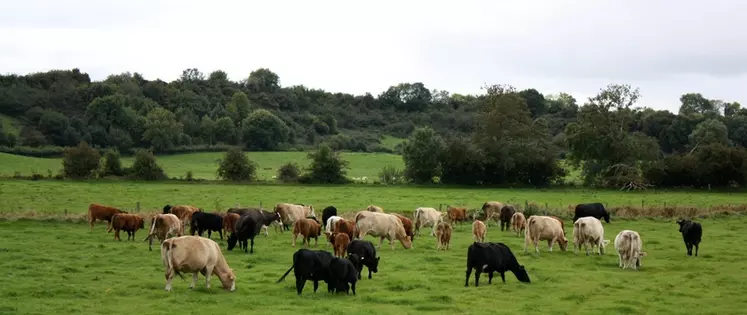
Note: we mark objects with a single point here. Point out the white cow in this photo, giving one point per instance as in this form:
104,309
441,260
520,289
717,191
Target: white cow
425,217
588,231
331,223
382,225
196,254
628,245
544,228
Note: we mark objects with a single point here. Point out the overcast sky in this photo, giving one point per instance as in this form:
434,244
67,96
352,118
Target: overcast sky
666,48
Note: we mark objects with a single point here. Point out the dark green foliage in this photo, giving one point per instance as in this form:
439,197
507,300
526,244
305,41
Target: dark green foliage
80,161
264,131
327,167
112,164
289,173
145,167
236,166
422,155
715,164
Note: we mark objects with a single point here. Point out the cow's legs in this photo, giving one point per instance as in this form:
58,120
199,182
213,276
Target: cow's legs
466,278
208,272
251,251
381,241
264,227
116,235
503,276
601,247
536,245
194,280
369,273
550,242
477,276
696,249
169,276
490,277
620,260
316,241
352,286
210,233
294,240
300,282
316,285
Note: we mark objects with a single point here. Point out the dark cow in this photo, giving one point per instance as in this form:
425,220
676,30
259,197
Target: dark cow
310,265
493,257
262,217
327,213
691,234
591,210
341,273
505,217
246,228
367,253
205,221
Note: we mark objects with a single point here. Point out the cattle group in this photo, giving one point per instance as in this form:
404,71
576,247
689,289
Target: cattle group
344,232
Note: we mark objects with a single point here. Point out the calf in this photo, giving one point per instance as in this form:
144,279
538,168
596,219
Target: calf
308,228
489,208
382,225
327,213
507,212
490,258
127,222
541,228
478,231
407,224
519,223
310,265
346,226
341,242
204,221
456,214
628,245
163,226
589,231
591,210
196,254
341,273
246,229
103,213
424,217
691,234
443,235
367,253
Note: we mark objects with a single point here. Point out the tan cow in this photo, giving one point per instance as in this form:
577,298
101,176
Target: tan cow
425,216
443,235
308,228
183,212
519,223
289,213
478,231
544,228
492,209
456,214
628,245
589,231
163,226
195,254
382,225
374,208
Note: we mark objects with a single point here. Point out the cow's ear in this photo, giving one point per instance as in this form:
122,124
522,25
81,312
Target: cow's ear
643,254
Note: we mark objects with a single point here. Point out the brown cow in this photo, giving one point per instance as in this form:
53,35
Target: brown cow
346,226
456,214
341,241
407,224
103,213
561,223
443,235
308,228
183,212
229,222
127,222
478,231
519,223
163,226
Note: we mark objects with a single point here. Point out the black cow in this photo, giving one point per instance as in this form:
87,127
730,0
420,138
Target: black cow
341,272
260,216
691,234
246,228
327,213
367,253
310,265
204,221
505,217
591,210
493,257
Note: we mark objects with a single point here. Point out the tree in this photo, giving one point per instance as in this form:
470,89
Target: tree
710,131
112,164
225,131
263,80
289,173
239,106
262,130
236,166
207,128
327,167
535,102
695,103
80,161
145,167
162,129
422,155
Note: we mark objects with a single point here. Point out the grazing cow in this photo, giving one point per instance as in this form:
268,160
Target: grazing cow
382,225
374,208
562,224
127,222
330,223
246,229
262,217
407,224
591,210
456,214
588,231
183,212
541,228
691,234
163,226
505,218
519,223
490,258
103,213
341,273
327,213
341,242
310,265
628,246
308,228
367,253
346,226
478,231
196,254
443,235
289,213
229,223
490,208
204,221
425,216
356,260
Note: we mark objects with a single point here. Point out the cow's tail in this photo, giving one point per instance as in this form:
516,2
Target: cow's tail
358,216
111,224
166,249
286,273
632,239
418,214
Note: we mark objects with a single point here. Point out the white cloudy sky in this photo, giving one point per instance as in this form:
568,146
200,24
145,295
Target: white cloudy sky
666,48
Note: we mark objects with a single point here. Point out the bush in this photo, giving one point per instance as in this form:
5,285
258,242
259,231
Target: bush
327,167
289,173
145,167
112,164
391,175
81,161
236,166
190,177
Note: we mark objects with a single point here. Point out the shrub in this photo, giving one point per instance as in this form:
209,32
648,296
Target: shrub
145,167
112,164
190,177
289,173
236,166
80,161
327,167
391,175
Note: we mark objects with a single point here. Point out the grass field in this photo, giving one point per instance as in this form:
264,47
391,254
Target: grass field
53,267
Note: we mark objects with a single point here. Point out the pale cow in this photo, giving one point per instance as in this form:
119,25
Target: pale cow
519,223
289,213
196,254
628,245
164,226
478,231
382,225
544,228
331,224
374,208
425,217
443,235
492,210
589,231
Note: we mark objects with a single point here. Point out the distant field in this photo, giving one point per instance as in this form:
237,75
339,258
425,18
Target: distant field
61,268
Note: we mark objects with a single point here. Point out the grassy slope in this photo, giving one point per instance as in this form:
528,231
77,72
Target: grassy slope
65,269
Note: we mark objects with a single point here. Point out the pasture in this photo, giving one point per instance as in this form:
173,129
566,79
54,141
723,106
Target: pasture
55,267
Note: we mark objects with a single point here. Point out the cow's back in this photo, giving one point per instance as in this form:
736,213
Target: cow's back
543,227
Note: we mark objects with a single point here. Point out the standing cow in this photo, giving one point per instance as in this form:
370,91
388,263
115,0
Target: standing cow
591,210
588,231
426,216
163,226
310,265
289,213
490,208
541,228
691,234
519,223
382,225
628,246
327,213
196,254
103,213
505,217
129,223
490,258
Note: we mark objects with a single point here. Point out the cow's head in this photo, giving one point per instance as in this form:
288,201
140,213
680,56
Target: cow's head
682,223
166,209
142,222
605,243
407,242
606,217
521,274
232,239
563,242
228,280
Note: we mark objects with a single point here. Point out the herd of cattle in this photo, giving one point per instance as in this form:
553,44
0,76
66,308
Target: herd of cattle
345,232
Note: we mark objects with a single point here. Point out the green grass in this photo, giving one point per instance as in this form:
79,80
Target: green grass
55,196
9,124
391,142
64,269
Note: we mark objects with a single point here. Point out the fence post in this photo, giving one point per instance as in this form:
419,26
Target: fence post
137,206
65,211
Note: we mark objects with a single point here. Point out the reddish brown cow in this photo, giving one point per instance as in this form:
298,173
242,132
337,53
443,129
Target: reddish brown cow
103,213
443,235
407,223
347,227
183,212
562,227
308,228
456,214
229,222
127,222
341,244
